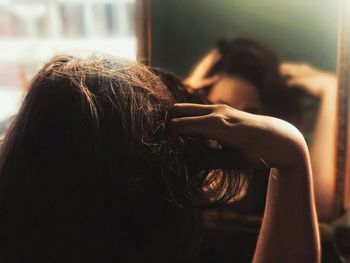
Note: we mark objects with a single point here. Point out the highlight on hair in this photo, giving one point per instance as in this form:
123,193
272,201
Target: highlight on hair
88,167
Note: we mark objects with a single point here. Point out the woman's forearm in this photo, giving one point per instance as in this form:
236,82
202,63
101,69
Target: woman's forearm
289,231
322,149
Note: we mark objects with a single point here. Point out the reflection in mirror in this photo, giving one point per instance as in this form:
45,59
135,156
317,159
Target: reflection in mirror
248,76
261,57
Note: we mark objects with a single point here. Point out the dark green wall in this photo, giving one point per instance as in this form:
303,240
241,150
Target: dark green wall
184,30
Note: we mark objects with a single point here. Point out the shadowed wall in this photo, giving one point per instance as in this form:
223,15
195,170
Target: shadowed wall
184,30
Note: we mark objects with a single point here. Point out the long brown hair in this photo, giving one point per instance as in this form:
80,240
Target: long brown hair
89,173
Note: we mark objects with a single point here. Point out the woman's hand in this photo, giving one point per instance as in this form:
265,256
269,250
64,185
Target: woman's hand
199,77
262,140
313,80
289,230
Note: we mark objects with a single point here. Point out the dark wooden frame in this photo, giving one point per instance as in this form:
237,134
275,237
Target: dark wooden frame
143,31
342,191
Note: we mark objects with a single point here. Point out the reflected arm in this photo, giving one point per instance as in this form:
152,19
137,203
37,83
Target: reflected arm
323,85
323,147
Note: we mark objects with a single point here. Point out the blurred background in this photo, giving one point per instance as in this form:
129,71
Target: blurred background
32,31
183,31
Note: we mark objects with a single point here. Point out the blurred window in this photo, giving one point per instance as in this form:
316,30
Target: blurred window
32,31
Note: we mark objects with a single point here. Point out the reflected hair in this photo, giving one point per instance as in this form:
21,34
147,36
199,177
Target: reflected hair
258,64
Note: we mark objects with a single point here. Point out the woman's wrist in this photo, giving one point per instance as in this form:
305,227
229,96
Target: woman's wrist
280,144
329,84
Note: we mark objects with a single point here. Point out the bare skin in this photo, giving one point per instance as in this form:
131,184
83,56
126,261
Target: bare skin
321,84
198,78
289,231
236,93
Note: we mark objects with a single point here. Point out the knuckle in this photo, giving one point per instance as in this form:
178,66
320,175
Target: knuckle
218,119
222,108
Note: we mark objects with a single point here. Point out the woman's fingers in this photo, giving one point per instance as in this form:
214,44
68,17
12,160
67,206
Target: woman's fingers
208,62
296,81
210,121
193,126
199,77
196,84
195,120
210,81
191,109
288,68
298,69
203,83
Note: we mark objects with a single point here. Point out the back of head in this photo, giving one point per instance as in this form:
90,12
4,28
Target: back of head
88,173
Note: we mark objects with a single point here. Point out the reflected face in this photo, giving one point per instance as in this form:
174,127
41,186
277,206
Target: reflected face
236,93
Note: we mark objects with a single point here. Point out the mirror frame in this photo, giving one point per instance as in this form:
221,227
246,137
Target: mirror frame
342,188
143,29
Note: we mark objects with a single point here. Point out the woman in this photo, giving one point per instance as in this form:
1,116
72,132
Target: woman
101,165
248,76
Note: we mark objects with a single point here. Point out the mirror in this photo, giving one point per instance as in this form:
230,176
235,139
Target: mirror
291,45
